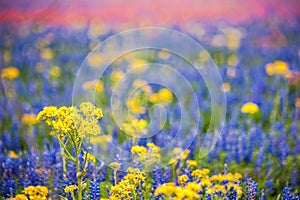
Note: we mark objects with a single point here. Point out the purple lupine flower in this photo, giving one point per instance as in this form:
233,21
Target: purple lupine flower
94,189
251,189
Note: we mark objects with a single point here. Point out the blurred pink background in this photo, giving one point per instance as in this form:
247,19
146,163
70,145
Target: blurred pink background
146,13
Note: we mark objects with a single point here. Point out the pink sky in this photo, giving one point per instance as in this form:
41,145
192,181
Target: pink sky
142,12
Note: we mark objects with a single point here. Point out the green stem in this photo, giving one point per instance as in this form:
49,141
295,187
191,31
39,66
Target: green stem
78,174
134,194
115,177
65,150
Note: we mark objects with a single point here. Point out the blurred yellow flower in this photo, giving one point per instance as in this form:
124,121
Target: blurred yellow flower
101,139
226,87
55,71
232,60
10,73
70,188
93,85
20,197
116,76
192,163
95,59
250,108
137,63
165,96
278,68
203,57
30,119
6,56
13,155
114,165
90,157
297,102
154,98
47,53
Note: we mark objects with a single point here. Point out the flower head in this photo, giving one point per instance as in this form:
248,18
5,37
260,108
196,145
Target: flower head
10,73
250,108
70,188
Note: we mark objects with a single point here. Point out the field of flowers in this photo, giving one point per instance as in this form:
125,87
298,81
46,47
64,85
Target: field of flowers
53,148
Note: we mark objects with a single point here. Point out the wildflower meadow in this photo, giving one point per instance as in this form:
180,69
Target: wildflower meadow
186,110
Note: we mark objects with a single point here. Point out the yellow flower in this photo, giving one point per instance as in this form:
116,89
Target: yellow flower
55,71
13,155
70,188
232,60
166,189
250,108
10,73
70,120
134,104
297,102
226,87
192,163
173,161
114,165
205,182
98,113
277,68
47,53
90,157
137,63
135,128
95,59
153,147
20,197
101,139
183,179
185,154
36,192
93,85
30,119
198,173
165,96
193,186
154,98
138,149
116,76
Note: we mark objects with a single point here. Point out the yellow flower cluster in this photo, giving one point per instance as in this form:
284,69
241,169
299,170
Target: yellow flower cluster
183,179
70,188
114,165
93,85
34,193
20,197
125,189
178,153
250,108
164,96
216,185
70,120
222,184
55,71
192,163
278,68
10,73
13,155
189,192
200,173
147,155
135,127
90,157
30,119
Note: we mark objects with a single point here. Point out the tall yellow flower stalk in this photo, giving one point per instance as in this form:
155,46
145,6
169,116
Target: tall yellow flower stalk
72,126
